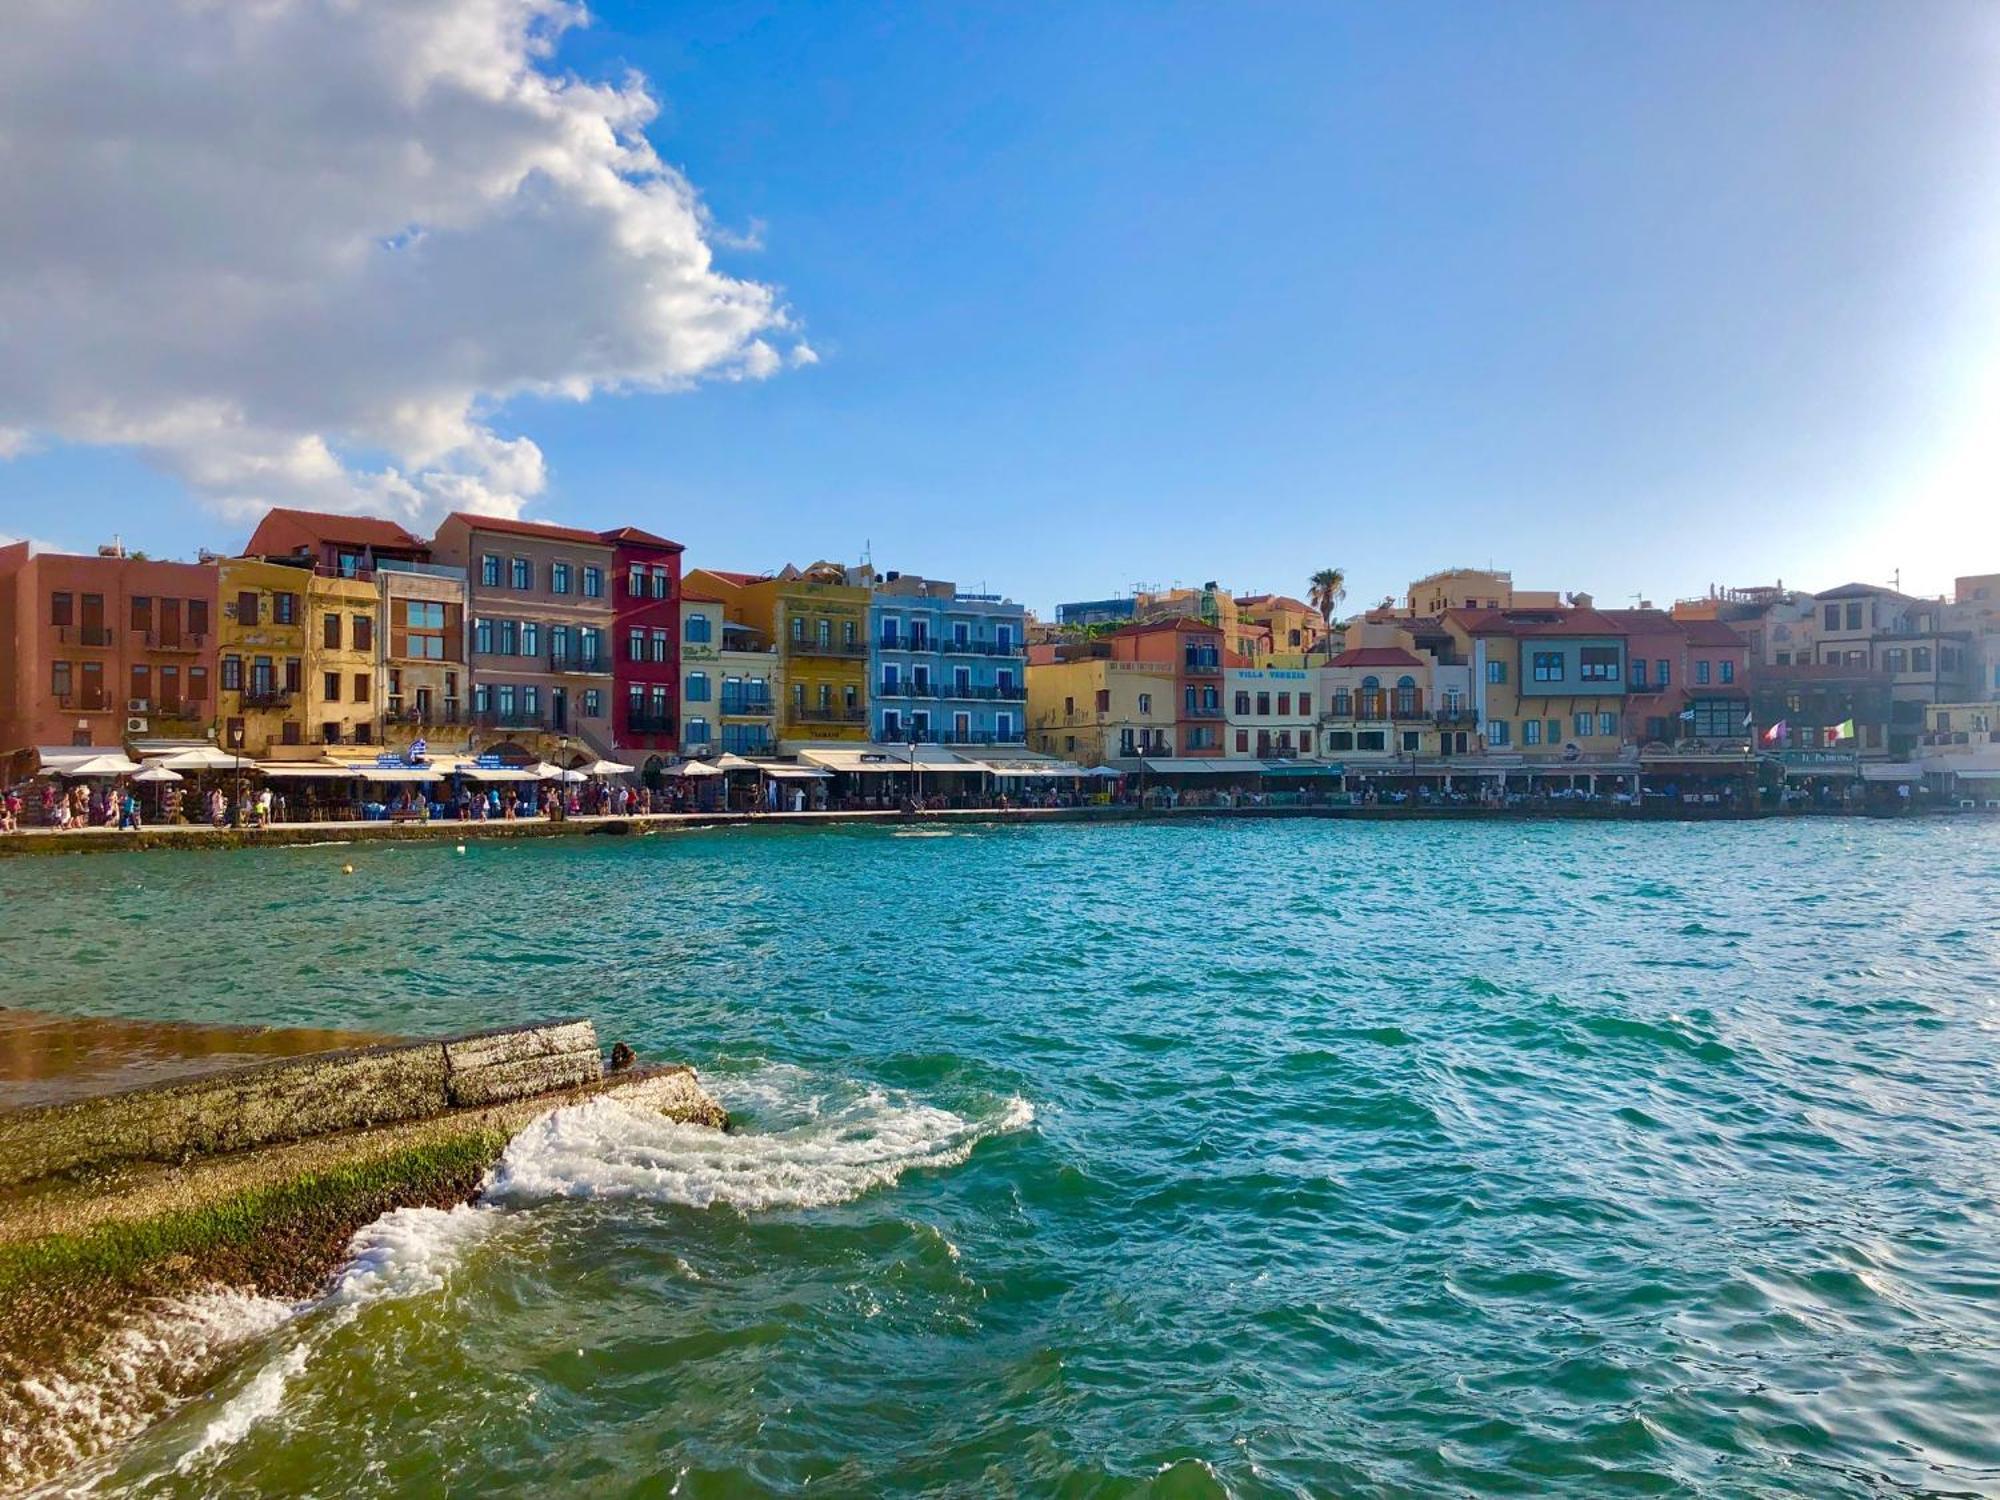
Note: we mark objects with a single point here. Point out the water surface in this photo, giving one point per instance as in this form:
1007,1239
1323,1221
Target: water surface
1260,1159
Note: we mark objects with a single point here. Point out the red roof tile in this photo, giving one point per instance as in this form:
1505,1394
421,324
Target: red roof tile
506,526
1710,633
638,537
693,598
283,528
739,579
1179,624
1534,622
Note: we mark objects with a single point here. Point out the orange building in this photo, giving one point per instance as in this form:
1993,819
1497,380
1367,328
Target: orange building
1195,652
104,650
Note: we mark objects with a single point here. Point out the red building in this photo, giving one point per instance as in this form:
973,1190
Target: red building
104,650
1686,679
1197,653
646,641
338,546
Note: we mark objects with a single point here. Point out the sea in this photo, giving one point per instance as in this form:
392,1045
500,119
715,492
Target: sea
1225,1158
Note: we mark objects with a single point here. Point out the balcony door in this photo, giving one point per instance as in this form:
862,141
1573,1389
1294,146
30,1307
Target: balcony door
559,708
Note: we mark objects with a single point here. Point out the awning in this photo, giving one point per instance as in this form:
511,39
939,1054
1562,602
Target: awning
1302,768
396,773
52,758
1184,765
301,770
206,758
1891,773
498,773
796,773
729,760
104,763
1062,769
608,768
867,760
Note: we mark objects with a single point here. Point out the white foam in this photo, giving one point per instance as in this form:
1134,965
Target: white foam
602,1149
407,1252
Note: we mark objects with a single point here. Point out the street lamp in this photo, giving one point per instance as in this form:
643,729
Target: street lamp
916,776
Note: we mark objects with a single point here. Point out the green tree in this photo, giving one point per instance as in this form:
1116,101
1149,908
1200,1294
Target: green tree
1329,587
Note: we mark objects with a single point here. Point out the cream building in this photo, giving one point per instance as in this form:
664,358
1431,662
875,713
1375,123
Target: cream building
1096,710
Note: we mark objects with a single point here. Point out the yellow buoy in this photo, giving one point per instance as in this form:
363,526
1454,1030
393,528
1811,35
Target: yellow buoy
347,869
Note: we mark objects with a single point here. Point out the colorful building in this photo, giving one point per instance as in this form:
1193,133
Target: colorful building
819,623
945,668
1376,705
729,683
336,546
261,702
1295,627
1196,651
1091,709
1270,712
104,650
1547,684
538,601
343,657
646,630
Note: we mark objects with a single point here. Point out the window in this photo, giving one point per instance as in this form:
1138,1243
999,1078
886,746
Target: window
635,581
1548,666
1638,671
559,574
60,678
482,636
1242,742
1284,704
847,631
590,645
593,583
825,633
1305,705
1701,672
1104,700
1854,615
697,687
531,638
696,731
1496,732
197,617
284,609
1263,705
1607,724
1531,731
364,632
330,687
363,688
142,618
697,629
330,632
661,641
1920,658
197,684
62,608
294,674
520,573
489,571
508,640
1727,670
635,645
662,582
1784,658
1242,702
593,703
1597,663
232,674
1371,739
1496,671
246,607
1581,725
1145,703
1340,739
799,629
1666,673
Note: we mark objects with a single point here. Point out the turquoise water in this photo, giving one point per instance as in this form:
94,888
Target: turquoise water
1252,1159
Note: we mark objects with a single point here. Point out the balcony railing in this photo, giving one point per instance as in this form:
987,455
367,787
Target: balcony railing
812,714
1201,663
1455,718
575,661
510,718
903,736
987,693
187,642
84,635
848,650
649,723
450,714
746,707
902,688
1207,711
81,702
983,648
266,698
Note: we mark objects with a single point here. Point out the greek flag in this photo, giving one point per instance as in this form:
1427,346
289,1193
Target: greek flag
419,748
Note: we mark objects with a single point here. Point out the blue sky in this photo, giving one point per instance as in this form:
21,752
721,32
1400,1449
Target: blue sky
1629,298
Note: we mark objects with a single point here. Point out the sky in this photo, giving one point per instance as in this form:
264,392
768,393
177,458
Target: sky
1052,300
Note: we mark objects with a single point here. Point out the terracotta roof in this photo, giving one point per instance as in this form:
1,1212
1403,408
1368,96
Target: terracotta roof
1534,622
281,524
639,537
739,579
1376,656
1277,601
692,598
1858,591
1710,633
1179,624
509,527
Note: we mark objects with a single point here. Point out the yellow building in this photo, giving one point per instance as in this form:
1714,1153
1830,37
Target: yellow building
260,643
343,661
1475,588
819,624
1296,627
1546,683
1095,710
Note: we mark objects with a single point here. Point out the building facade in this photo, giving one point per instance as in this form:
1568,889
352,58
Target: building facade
1687,679
1270,712
1547,684
646,632
1092,709
104,650
538,602
343,657
1196,651
945,668
729,683
261,703
424,685
818,622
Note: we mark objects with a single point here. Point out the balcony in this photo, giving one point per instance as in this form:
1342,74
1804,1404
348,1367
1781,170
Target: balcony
83,702
1208,711
266,698
902,688
83,635
186,644
803,714
649,723
1455,718
509,718
985,648
985,693
905,735
844,650
447,716
576,662
748,707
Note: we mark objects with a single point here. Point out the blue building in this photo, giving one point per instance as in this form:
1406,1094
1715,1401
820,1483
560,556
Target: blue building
1097,611
945,668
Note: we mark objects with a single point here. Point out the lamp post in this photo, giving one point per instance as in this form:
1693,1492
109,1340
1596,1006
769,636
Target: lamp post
916,776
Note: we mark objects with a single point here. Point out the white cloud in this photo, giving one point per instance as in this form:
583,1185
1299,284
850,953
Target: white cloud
296,251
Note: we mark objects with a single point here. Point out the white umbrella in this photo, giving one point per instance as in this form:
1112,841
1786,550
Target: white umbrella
608,768
573,775
697,768
544,771
1105,771
729,760
102,765
159,773
206,758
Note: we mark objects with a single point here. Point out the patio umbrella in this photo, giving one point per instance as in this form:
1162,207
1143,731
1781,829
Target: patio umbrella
608,768
102,765
545,771
1104,771
206,758
729,760
572,775
159,774
697,768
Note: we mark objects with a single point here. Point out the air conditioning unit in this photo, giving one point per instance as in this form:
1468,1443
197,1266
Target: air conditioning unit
135,726
137,705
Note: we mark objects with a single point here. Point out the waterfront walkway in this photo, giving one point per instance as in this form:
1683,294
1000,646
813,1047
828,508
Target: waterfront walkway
205,836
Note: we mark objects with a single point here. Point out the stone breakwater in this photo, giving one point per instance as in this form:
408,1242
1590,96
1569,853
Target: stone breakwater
39,841
146,1235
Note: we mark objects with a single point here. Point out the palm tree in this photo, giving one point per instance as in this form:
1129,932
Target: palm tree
1329,587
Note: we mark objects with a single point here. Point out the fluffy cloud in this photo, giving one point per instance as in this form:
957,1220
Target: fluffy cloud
296,251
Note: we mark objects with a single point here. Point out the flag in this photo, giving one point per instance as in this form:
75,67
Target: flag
1750,721
1688,714
1844,730
1775,734
419,748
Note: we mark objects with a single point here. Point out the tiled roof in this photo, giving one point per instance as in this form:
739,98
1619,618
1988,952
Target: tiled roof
509,527
1710,633
321,525
693,598
638,537
1376,656
1534,622
1858,591
739,579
